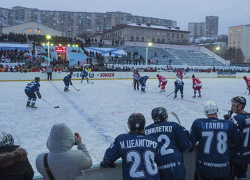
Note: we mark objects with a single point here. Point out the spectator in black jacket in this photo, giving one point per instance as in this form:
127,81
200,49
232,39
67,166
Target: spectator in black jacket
14,163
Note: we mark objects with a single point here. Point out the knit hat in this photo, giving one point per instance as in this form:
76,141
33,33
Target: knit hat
6,139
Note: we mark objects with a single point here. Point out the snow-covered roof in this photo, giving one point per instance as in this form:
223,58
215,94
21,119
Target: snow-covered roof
14,45
153,26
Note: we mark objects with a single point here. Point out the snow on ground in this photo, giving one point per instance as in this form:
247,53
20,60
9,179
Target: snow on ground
99,111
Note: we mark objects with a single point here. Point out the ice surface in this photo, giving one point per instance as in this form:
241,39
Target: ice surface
99,112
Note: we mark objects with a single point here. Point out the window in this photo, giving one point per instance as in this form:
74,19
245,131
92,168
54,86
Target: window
163,40
137,38
132,32
153,33
153,39
137,32
142,39
239,34
167,34
163,34
158,34
158,40
177,35
142,32
132,38
172,35
148,33
181,36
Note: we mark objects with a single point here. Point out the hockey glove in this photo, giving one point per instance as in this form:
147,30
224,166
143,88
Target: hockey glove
159,86
39,96
71,83
226,116
113,165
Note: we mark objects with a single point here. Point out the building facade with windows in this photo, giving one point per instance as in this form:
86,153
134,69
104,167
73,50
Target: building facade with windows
146,33
212,24
75,23
196,29
239,37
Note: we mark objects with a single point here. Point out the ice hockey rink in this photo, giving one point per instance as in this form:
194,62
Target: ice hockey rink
99,111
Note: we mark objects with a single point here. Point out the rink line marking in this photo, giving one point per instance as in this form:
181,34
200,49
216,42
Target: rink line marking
93,124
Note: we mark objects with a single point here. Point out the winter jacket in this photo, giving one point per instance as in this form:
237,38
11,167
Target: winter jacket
64,163
14,164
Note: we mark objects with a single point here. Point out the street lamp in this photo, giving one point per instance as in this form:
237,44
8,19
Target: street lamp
48,37
149,44
217,49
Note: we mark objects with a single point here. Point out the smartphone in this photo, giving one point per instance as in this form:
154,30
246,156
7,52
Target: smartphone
75,135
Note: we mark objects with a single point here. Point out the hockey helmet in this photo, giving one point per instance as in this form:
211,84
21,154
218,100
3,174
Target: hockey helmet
37,79
6,139
177,79
136,122
71,73
193,76
159,114
239,100
157,75
210,108
244,77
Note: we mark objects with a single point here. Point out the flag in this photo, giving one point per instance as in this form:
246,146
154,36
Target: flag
5,40
4,17
29,55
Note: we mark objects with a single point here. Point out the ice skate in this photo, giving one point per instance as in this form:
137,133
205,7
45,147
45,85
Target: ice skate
33,106
28,105
194,96
199,96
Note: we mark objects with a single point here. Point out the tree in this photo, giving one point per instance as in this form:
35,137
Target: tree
235,55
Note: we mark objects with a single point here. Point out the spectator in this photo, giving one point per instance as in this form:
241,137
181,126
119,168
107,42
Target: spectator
64,163
140,154
14,163
172,140
214,137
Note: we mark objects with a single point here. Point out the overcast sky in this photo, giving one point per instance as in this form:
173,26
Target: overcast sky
230,12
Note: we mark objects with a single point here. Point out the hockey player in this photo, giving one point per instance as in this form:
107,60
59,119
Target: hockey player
135,149
178,86
239,156
179,74
197,84
85,74
136,77
30,90
214,136
162,82
172,140
67,81
142,82
247,83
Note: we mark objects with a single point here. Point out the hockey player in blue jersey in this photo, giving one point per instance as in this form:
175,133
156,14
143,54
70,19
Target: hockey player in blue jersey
137,150
240,157
178,86
142,82
85,74
214,136
67,81
172,140
30,90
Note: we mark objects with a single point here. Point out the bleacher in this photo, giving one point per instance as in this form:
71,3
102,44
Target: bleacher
151,54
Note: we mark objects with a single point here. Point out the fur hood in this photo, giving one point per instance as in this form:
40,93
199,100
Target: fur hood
9,158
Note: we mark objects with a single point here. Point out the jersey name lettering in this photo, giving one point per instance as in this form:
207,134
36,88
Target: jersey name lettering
215,125
138,143
158,129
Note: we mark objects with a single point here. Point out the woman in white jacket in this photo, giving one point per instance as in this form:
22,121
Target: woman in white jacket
64,163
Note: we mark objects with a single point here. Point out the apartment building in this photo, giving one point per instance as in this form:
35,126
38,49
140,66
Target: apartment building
239,37
212,24
196,29
75,23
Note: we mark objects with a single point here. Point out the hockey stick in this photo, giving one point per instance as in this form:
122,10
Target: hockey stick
75,88
175,115
246,91
170,94
91,82
50,104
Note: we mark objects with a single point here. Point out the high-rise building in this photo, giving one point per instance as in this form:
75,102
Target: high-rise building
196,29
75,23
239,37
212,23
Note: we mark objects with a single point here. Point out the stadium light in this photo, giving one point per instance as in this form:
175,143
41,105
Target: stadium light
148,44
48,37
217,49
